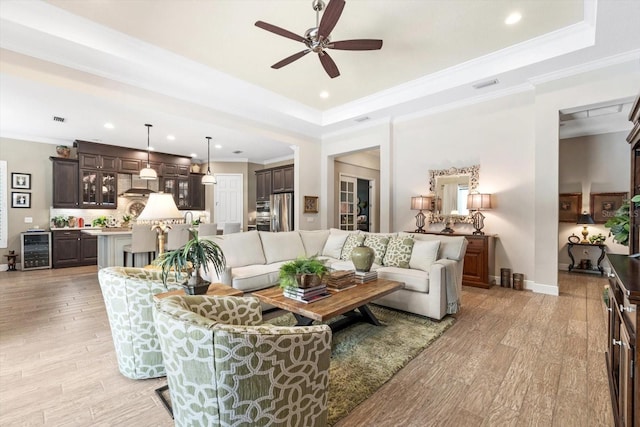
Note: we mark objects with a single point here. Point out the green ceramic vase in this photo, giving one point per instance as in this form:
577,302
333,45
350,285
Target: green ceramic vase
362,257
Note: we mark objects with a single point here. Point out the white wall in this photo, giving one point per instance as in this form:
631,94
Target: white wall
592,164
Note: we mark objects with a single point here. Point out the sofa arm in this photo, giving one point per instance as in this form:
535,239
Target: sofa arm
452,285
212,276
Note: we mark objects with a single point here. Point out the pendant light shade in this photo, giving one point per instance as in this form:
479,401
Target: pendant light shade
148,173
208,179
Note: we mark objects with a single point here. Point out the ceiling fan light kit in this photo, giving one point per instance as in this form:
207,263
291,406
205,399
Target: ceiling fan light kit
318,38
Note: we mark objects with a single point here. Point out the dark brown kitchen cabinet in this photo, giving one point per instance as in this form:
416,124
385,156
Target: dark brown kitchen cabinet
175,169
263,185
65,183
196,192
72,248
132,166
98,161
282,179
98,189
622,355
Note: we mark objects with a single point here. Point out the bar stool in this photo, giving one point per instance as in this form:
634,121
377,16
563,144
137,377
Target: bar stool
231,227
177,236
207,229
143,239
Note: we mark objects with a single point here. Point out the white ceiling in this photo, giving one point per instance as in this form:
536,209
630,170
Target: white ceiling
196,68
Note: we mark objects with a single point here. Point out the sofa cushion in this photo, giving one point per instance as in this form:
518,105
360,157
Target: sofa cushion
414,280
335,242
378,243
282,246
398,252
451,247
352,241
425,253
241,249
313,241
255,277
345,265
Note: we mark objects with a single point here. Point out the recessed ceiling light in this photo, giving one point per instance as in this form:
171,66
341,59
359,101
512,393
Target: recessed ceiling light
218,146
152,149
171,137
108,125
193,155
324,94
513,18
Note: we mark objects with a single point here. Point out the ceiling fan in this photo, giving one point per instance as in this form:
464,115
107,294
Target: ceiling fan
317,39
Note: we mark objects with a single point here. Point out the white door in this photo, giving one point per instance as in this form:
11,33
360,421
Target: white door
347,202
228,199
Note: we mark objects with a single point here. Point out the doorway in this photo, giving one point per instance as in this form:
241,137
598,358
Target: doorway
356,203
229,198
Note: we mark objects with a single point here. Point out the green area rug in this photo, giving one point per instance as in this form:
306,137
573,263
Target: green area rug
364,356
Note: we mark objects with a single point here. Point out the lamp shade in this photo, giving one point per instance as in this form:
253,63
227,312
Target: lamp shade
148,173
477,201
421,203
160,207
208,179
585,218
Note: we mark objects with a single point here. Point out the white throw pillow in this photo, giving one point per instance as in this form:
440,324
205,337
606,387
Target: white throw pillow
313,241
424,253
335,242
283,246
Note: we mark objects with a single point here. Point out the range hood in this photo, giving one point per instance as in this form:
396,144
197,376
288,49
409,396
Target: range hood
137,187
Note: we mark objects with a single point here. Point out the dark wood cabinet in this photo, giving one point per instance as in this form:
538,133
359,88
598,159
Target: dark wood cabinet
98,189
622,356
634,141
263,185
479,260
65,183
282,180
132,166
98,161
71,248
196,192
188,193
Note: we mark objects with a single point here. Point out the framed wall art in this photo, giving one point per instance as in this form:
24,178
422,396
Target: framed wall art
604,205
310,204
20,200
21,181
570,205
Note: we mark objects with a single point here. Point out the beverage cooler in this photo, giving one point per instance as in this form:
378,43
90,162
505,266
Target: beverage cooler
36,250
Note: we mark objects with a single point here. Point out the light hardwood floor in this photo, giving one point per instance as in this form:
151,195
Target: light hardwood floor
512,358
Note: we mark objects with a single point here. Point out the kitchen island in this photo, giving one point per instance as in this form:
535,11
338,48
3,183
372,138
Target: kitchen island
110,247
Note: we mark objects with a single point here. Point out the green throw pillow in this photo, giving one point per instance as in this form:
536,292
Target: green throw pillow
398,252
379,245
352,241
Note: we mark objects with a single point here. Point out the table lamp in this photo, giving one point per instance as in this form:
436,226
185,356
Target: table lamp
160,211
419,203
477,202
584,220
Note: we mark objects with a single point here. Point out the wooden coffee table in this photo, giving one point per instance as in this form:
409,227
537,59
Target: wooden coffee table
345,302
215,289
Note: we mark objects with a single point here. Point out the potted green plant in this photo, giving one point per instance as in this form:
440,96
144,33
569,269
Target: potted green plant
187,261
59,221
302,272
619,223
100,221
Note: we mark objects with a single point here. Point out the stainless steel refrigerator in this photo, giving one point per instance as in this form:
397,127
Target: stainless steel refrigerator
281,212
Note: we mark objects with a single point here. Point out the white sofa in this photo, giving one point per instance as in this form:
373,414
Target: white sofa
430,266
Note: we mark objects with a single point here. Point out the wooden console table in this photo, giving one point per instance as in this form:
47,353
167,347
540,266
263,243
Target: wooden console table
598,268
479,259
622,355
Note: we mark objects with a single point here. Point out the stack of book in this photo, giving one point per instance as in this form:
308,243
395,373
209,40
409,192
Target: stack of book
341,280
364,277
307,295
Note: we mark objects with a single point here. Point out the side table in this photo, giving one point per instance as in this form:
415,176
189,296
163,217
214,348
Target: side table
598,268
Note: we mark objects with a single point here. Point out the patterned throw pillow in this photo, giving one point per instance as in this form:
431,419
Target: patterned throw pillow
398,252
379,244
352,241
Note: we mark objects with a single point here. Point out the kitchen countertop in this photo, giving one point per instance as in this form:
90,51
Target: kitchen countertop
103,231
74,228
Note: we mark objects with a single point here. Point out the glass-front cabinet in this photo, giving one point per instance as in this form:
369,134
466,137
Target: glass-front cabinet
179,188
99,189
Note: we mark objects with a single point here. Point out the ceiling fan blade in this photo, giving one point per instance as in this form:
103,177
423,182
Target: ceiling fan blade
279,31
361,44
329,66
290,59
330,17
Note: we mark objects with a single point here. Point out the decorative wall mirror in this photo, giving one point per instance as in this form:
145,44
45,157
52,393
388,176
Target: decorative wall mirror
450,188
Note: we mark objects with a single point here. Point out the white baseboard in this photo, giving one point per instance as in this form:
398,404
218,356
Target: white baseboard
541,288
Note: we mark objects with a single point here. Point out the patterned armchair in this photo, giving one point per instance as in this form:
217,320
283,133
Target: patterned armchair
225,368
128,295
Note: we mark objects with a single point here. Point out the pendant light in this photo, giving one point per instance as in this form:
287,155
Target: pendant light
208,179
148,173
